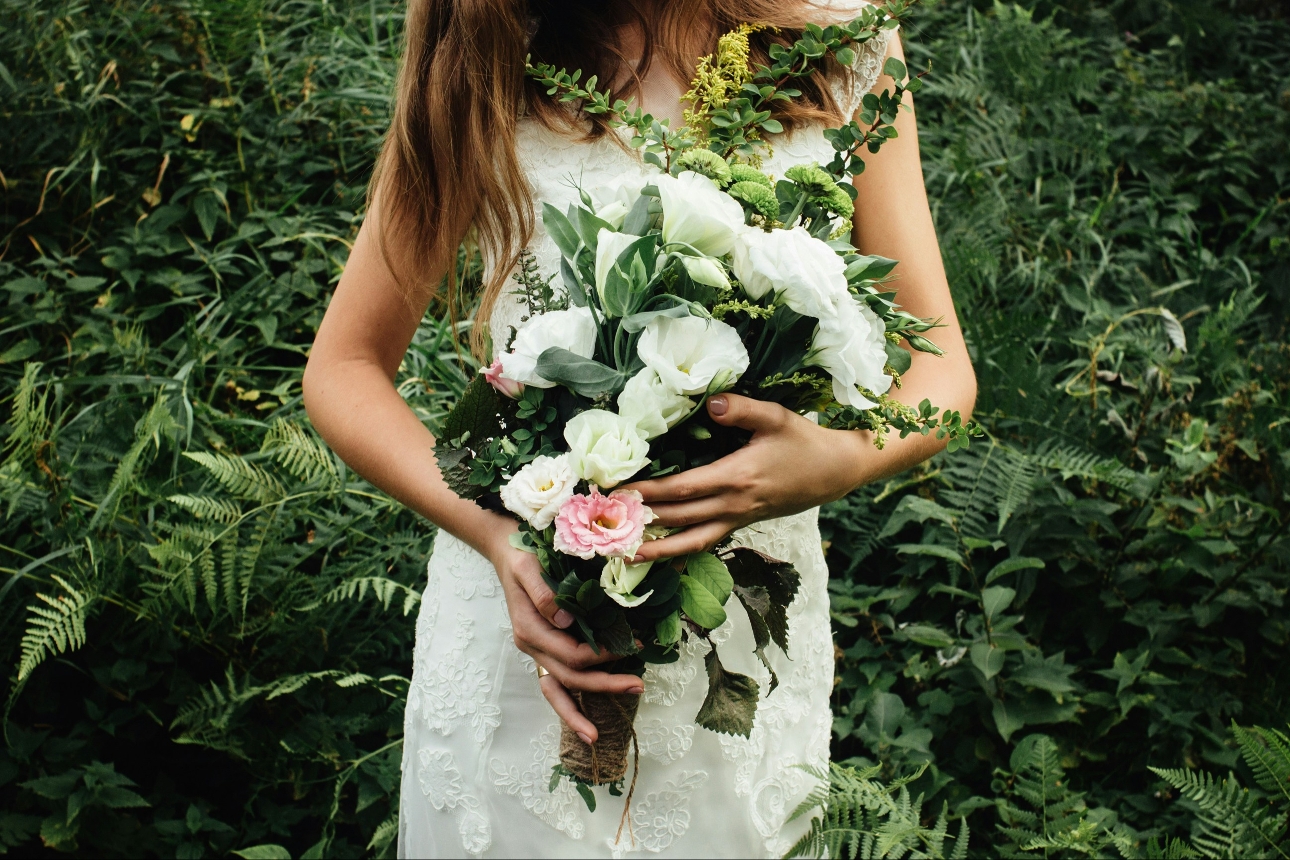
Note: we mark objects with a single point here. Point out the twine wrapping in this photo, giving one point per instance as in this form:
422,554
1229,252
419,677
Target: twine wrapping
605,761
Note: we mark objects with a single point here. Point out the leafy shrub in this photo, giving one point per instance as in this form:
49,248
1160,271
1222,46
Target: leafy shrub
206,613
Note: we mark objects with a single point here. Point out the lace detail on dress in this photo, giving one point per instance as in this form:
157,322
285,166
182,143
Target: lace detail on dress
662,742
453,690
663,817
557,808
441,783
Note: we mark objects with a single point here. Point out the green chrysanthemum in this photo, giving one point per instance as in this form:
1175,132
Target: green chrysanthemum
840,203
816,182
758,198
706,162
748,173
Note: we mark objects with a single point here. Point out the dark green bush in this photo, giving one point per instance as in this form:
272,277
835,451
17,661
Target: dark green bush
208,618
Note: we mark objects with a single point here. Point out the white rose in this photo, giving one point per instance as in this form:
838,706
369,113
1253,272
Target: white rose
604,448
619,578
851,347
810,275
536,492
687,353
574,330
653,406
614,199
699,214
609,246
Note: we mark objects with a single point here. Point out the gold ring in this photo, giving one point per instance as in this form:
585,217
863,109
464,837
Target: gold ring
541,671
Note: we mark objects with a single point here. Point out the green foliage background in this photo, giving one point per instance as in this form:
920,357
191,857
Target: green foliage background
208,619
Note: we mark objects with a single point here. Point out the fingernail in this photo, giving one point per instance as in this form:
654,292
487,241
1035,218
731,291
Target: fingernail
718,405
638,558
585,739
636,691
563,619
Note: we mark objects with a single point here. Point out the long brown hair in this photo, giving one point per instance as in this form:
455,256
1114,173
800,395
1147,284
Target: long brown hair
449,165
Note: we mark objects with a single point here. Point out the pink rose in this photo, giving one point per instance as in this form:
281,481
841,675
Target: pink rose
508,387
612,525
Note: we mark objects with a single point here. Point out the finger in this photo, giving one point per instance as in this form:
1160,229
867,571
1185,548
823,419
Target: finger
710,480
682,514
759,416
698,538
535,637
543,598
567,709
595,681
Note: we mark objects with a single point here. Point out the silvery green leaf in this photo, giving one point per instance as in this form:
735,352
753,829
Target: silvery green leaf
583,376
637,322
587,225
560,230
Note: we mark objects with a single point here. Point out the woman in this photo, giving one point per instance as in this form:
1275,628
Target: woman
473,147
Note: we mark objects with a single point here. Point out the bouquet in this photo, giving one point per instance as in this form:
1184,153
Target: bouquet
712,277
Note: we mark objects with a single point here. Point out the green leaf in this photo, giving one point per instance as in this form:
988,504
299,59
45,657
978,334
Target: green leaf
478,413
267,851
898,357
701,605
885,713
731,703
925,634
1012,565
895,69
995,600
668,629
584,376
561,231
751,569
710,572
987,658
932,549
1007,718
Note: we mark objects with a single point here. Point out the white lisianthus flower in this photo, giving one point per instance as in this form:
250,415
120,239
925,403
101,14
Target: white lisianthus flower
653,406
604,448
850,345
699,214
687,353
612,200
705,270
536,492
609,246
619,578
809,274
574,330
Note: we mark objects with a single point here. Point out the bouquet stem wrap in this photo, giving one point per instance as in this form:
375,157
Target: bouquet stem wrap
605,761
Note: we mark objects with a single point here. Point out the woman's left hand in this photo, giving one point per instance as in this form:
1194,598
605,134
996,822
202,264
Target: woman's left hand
790,465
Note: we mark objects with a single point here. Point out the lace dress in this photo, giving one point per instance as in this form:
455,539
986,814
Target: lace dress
480,740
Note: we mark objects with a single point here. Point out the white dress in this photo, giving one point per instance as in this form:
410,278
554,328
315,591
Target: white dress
480,740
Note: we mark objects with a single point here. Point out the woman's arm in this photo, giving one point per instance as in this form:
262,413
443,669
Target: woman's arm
351,399
792,464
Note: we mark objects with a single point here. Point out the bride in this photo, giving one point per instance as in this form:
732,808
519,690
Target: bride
472,148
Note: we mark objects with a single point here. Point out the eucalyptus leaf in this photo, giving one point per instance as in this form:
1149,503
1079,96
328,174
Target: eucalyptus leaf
584,376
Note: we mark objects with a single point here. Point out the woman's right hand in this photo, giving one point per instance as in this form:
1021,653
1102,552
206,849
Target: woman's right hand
539,626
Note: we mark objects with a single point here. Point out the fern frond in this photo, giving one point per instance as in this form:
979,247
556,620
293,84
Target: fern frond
384,835
1073,463
28,422
240,477
1015,487
57,627
1267,752
1231,822
147,432
209,508
381,588
300,453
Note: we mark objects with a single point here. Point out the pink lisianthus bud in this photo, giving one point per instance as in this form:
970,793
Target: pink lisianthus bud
508,387
612,525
